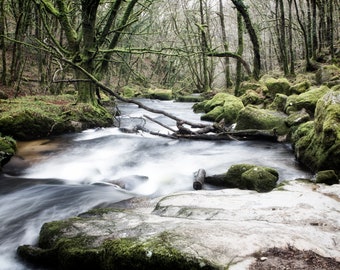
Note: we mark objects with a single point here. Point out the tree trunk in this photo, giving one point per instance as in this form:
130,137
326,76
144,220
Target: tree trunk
2,43
228,82
290,39
281,32
204,48
87,90
253,37
239,52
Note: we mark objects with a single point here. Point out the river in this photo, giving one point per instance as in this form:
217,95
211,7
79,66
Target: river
70,174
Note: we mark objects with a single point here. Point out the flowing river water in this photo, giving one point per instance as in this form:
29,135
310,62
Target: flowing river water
71,174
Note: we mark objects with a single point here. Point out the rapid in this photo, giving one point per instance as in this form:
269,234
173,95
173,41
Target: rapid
100,167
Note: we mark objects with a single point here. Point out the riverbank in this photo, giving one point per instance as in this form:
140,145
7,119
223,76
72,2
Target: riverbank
202,229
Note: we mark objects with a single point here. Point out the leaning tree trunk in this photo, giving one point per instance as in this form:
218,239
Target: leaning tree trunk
253,37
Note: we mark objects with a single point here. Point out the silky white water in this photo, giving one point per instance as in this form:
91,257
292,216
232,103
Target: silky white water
84,172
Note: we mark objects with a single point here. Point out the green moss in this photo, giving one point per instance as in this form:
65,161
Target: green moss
254,118
246,176
305,100
40,116
214,115
300,87
217,100
277,86
328,177
245,86
260,179
278,103
154,253
8,148
251,97
161,94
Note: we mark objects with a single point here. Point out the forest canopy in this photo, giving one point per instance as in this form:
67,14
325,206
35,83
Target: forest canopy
181,44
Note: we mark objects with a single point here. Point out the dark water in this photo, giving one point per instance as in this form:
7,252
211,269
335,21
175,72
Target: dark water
83,171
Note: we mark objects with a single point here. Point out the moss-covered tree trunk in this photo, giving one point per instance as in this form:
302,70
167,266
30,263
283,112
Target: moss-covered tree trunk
86,90
253,36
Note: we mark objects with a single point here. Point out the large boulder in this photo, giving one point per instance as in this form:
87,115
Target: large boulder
222,106
277,86
305,100
329,74
252,97
252,117
246,176
317,143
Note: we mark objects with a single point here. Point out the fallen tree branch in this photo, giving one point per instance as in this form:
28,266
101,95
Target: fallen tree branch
127,100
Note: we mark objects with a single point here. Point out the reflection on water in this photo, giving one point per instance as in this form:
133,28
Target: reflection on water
71,174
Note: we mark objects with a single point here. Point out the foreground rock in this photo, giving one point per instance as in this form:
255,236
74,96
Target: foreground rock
195,230
7,149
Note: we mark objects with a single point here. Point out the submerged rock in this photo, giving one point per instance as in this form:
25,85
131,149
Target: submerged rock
220,229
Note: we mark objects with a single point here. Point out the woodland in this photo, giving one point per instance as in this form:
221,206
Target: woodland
54,46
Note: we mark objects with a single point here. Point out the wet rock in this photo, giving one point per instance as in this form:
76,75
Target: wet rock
246,176
328,177
216,229
252,117
7,149
317,143
305,100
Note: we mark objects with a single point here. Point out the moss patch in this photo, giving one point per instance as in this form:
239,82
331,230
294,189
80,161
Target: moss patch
27,118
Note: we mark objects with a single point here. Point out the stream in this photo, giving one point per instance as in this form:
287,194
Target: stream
70,174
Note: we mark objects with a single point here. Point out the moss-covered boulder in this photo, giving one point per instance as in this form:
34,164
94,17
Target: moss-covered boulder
328,74
222,106
7,149
246,176
278,103
277,86
297,118
96,241
262,119
317,143
300,87
29,118
305,100
161,94
328,177
252,97
248,85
